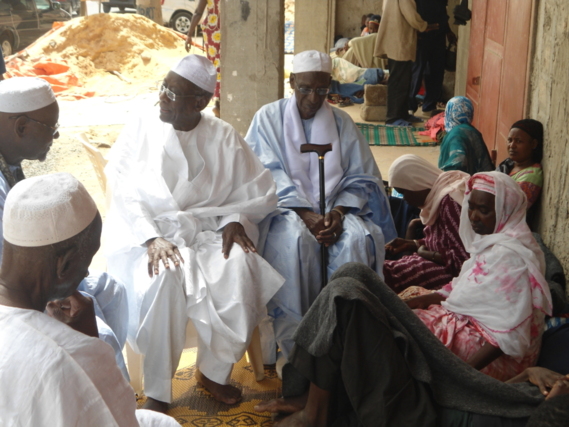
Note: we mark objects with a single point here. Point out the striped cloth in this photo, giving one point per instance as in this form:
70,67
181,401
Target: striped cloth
382,135
442,237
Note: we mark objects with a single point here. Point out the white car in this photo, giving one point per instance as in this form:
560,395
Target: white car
176,13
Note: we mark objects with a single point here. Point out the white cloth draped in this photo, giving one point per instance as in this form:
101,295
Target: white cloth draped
153,196
502,285
53,375
304,167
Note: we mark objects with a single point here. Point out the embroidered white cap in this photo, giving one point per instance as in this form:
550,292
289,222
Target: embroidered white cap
25,94
197,69
47,209
311,60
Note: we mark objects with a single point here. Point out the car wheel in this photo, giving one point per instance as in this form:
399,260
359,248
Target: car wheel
106,8
7,44
181,22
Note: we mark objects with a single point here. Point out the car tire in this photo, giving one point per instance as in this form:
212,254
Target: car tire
181,21
106,8
6,43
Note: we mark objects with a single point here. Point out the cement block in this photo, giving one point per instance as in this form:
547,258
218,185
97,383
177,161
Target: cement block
375,95
371,113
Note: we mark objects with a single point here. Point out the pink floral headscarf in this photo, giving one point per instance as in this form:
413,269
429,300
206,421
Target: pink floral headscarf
502,285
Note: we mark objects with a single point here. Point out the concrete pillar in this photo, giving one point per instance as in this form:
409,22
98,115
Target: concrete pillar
252,58
462,55
314,22
152,9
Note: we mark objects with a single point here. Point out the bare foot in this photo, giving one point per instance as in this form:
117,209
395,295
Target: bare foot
222,393
298,419
155,405
283,404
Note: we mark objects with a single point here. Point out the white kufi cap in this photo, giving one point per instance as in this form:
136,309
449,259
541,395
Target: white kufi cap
47,209
25,94
199,70
311,60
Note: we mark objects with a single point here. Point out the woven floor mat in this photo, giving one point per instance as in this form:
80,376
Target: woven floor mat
382,135
194,406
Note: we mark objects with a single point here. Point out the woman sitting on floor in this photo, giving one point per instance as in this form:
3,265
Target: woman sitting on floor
438,257
525,150
463,147
496,306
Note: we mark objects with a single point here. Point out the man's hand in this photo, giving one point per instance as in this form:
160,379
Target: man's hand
424,301
313,221
76,311
162,249
333,229
432,27
398,245
235,233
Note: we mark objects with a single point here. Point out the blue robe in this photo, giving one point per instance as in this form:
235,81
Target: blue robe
289,246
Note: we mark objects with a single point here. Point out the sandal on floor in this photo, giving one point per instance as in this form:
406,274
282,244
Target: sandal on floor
400,123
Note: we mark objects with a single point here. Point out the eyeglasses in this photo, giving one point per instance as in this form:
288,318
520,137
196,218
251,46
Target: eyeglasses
321,91
53,128
171,95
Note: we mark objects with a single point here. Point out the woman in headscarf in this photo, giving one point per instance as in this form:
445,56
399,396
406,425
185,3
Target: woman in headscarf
463,147
525,149
438,257
492,314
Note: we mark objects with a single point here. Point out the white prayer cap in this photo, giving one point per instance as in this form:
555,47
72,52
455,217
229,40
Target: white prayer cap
199,70
311,60
25,94
47,209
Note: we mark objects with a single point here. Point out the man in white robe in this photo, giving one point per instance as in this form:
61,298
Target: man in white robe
29,116
186,187
357,222
54,371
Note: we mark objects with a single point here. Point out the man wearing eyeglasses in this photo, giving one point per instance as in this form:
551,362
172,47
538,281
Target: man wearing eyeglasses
29,116
187,195
357,221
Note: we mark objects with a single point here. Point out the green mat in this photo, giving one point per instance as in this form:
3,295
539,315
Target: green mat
382,135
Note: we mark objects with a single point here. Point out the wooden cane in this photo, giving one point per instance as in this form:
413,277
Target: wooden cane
321,150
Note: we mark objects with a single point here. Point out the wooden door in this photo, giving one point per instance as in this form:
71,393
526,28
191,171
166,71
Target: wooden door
498,67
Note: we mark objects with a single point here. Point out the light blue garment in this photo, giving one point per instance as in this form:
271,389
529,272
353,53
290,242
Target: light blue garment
108,295
289,246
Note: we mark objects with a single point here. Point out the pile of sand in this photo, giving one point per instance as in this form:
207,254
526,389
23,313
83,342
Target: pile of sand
289,10
136,48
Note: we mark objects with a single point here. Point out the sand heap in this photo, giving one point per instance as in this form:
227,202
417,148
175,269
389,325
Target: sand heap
116,54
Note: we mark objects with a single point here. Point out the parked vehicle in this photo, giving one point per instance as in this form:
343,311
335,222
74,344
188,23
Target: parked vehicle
70,6
23,21
178,14
175,13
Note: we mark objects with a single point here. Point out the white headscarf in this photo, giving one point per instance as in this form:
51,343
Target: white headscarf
413,173
503,282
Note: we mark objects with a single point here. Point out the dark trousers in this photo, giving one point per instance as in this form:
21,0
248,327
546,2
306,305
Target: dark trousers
430,65
367,373
398,87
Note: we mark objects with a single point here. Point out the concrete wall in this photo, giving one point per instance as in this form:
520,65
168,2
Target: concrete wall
548,102
312,28
252,58
349,13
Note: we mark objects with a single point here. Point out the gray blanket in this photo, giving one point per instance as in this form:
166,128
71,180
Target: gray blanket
454,384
